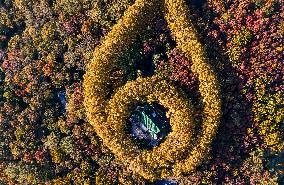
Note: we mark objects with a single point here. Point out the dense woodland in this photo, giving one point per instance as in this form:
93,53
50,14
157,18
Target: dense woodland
45,46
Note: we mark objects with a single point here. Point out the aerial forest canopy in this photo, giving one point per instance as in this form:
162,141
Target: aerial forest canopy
141,92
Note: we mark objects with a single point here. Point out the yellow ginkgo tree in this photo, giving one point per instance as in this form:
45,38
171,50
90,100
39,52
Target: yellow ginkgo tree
108,113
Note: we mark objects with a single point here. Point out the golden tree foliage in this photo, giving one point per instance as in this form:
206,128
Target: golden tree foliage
269,115
108,114
181,120
179,20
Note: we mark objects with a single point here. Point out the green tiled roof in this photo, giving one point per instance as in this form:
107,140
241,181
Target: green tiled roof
150,125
